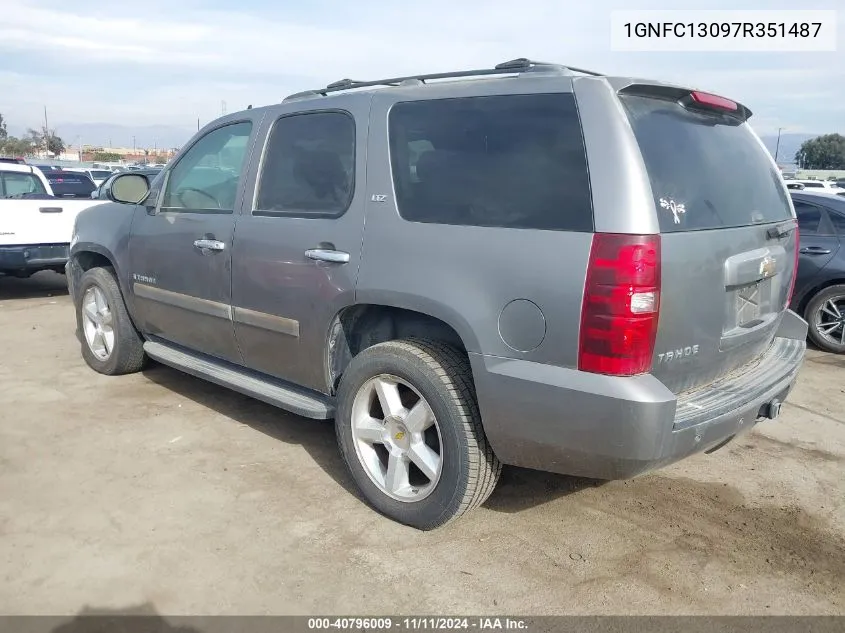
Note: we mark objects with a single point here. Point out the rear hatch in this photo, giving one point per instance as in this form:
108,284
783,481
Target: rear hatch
728,238
70,185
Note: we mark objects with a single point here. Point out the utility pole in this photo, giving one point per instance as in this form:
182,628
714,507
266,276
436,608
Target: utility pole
46,133
777,145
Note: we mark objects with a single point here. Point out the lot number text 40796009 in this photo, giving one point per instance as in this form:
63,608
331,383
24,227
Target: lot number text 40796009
419,624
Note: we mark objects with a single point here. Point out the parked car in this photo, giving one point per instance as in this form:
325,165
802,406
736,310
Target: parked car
438,267
14,161
102,191
820,288
68,184
35,225
97,176
822,186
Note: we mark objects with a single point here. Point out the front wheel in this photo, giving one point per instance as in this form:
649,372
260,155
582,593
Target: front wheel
110,343
410,432
825,315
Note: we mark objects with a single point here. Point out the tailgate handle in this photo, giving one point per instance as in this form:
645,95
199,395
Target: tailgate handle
815,250
50,209
777,232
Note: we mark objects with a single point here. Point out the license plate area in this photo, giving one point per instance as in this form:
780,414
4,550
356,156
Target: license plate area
748,302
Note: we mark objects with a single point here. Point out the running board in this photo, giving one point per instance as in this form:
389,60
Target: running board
269,390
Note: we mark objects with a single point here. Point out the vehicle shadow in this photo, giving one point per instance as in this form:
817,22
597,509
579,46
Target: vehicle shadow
135,619
522,488
317,437
40,285
518,489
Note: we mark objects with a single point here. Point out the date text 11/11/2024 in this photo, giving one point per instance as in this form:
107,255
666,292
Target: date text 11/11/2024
418,624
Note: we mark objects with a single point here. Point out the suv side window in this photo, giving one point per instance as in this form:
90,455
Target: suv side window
309,166
206,178
514,161
811,219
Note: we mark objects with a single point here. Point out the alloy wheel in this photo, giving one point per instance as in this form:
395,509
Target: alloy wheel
98,322
397,438
830,320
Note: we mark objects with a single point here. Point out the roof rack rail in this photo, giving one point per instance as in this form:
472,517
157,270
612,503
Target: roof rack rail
520,64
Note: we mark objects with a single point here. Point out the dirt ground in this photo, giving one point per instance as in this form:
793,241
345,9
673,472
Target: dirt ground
158,491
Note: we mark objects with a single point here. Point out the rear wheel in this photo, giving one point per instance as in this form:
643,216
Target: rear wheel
825,315
410,432
110,343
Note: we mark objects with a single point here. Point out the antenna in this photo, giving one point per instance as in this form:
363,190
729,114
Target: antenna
223,107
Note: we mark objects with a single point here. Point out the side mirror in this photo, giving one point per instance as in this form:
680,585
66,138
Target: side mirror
129,188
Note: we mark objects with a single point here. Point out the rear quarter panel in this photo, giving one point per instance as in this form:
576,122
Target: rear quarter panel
467,275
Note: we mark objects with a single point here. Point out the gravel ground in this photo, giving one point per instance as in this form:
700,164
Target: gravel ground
158,492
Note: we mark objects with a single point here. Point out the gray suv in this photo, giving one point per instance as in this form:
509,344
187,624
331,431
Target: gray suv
530,264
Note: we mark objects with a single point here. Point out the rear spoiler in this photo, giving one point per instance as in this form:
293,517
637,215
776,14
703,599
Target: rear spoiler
690,99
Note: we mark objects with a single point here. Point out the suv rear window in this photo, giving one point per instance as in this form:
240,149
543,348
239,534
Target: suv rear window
706,172
515,161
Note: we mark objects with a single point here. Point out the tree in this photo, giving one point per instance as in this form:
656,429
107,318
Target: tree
3,133
823,152
15,146
106,157
46,139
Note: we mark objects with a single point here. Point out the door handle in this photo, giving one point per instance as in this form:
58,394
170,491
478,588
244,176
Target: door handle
814,250
206,245
327,255
50,209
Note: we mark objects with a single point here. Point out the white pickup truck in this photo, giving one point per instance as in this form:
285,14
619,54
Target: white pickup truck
35,224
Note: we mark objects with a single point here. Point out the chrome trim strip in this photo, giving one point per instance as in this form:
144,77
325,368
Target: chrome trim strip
265,321
183,301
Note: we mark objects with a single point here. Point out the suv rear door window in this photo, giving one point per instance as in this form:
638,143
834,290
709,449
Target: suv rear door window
309,166
515,161
706,171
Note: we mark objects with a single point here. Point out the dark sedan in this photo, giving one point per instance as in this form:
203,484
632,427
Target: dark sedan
820,287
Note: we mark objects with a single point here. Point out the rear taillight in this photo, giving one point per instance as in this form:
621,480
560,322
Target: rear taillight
621,304
794,269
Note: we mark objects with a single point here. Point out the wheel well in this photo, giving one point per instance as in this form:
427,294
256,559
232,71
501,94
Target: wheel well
87,260
358,327
808,296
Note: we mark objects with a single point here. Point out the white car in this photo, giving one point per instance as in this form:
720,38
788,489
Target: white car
99,176
820,186
35,225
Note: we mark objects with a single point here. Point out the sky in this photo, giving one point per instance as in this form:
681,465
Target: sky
169,63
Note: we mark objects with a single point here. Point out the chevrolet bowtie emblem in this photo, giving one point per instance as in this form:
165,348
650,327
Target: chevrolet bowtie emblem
399,436
768,266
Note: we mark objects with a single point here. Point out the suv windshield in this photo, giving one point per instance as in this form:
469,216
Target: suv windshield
706,172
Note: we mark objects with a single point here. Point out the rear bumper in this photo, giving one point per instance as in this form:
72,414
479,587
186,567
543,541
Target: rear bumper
31,257
562,420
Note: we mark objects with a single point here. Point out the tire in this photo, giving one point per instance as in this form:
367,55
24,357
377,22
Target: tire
439,376
819,312
125,355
